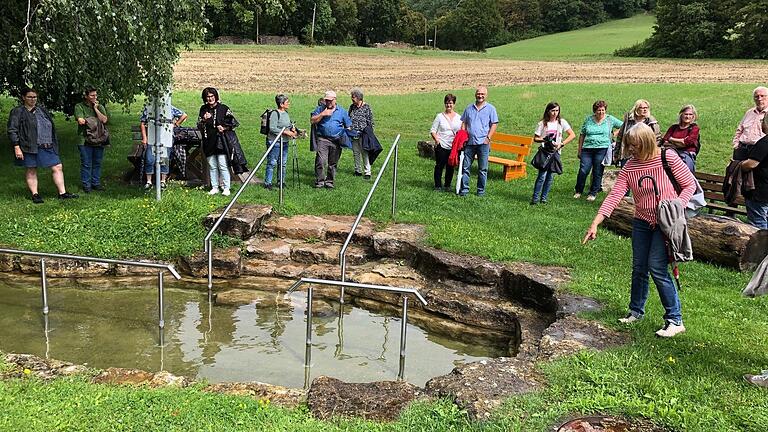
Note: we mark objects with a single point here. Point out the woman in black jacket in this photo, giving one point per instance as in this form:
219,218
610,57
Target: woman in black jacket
33,138
220,144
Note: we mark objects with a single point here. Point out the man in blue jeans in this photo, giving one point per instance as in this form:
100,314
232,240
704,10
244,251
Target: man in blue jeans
480,121
91,153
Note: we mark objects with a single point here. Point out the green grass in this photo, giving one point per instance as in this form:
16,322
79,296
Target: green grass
692,382
591,43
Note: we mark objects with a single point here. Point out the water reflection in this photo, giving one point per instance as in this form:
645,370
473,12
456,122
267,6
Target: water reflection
260,341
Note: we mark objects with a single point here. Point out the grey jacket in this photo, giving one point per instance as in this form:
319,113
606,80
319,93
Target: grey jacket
758,285
673,224
22,129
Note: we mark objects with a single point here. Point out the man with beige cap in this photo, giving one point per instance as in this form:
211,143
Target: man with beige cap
331,123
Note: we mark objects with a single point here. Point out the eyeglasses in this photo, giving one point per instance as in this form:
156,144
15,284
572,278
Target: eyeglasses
330,100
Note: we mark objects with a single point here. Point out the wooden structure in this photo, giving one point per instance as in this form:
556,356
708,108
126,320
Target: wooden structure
517,145
718,239
712,184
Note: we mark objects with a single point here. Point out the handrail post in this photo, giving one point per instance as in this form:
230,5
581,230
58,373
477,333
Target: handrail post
403,328
246,182
394,181
44,284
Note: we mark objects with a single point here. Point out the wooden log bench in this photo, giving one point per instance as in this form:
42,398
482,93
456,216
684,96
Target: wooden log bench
712,184
518,146
717,239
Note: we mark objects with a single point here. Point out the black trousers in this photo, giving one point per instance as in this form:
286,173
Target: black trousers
441,161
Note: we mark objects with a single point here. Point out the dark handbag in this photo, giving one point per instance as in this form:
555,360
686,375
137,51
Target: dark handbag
542,158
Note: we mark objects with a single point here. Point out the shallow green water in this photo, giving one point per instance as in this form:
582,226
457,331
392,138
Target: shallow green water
118,327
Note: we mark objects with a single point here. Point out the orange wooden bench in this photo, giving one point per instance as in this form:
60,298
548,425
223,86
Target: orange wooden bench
517,145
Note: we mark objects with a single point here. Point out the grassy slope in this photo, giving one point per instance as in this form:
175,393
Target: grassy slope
692,382
596,42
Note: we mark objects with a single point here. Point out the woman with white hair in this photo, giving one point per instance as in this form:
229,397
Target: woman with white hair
278,119
362,117
683,137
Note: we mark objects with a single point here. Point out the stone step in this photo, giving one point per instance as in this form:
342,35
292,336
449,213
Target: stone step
306,252
330,228
242,221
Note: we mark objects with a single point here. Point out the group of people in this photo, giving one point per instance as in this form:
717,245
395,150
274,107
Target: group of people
35,143
635,144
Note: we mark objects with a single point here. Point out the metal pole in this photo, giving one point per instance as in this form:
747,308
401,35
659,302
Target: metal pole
403,327
394,182
308,348
281,167
44,284
158,193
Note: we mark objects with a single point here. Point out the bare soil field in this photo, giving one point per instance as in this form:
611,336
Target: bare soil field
307,72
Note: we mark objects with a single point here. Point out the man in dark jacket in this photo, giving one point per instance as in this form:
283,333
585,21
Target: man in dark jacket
33,137
757,163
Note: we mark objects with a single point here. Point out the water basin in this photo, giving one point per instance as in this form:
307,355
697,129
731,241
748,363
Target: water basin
252,342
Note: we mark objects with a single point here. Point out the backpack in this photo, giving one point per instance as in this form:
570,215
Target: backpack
264,129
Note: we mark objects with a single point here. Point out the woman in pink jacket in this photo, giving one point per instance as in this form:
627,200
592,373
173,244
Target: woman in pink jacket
649,250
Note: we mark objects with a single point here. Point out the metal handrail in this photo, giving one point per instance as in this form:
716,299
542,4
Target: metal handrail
44,279
207,240
404,321
343,251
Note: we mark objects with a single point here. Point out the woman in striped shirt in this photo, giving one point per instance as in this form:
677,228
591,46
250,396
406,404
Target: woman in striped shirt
649,251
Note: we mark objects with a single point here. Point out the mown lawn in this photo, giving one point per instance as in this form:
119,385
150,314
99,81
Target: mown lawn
692,382
592,43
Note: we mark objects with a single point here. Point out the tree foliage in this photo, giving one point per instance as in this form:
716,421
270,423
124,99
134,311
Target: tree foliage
466,28
122,48
707,28
378,20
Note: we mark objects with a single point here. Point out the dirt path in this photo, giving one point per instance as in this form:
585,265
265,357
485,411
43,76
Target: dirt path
389,74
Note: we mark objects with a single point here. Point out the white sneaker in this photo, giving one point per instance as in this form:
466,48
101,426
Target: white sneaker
590,197
225,192
670,329
213,191
629,319
577,195
758,380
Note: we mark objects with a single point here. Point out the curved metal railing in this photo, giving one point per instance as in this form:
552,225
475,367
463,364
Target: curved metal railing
343,251
207,240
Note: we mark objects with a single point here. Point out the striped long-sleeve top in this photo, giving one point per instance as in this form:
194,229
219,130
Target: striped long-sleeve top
644,196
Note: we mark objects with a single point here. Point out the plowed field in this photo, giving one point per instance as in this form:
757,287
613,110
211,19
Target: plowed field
309,72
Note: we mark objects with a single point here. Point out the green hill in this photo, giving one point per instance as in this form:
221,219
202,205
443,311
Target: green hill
594,42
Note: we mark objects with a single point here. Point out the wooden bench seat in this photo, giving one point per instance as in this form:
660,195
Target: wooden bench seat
712,184
517,145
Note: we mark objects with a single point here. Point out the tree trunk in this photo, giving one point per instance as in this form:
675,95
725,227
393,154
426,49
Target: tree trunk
717,239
